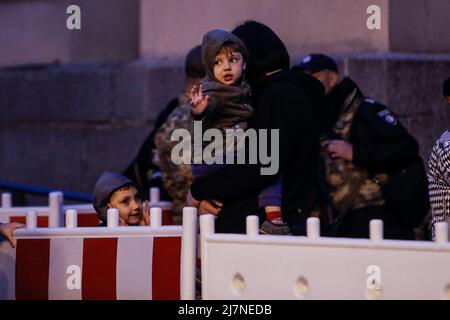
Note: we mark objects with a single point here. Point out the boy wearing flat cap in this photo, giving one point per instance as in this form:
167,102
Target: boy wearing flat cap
113,190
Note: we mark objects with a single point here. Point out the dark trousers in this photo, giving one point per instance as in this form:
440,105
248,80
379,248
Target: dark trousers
355,224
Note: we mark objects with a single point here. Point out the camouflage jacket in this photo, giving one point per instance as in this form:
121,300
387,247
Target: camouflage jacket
177,179
350,186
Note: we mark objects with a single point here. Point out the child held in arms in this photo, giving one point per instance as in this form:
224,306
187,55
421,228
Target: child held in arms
222,101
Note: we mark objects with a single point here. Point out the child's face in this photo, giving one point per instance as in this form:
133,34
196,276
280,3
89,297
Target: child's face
127,201
228,67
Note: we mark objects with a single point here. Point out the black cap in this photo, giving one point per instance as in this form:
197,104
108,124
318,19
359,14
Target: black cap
446,88
316,62
193,65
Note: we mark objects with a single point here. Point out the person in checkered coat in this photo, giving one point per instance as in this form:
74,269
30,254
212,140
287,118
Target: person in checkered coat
439,173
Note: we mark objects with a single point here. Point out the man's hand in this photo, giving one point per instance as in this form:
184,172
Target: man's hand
191,201
210,206
7,230
340,149
204,206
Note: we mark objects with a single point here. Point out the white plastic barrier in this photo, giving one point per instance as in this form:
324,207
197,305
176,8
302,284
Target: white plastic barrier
166,206
6,200
53,215
149,262
48,216
257,266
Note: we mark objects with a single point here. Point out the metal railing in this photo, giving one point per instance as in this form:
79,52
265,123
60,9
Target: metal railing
21,190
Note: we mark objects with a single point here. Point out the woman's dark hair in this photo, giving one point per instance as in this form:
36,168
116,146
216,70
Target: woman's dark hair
446,88
266,51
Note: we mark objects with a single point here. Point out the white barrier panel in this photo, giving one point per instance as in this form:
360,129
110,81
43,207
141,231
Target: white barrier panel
101,262
314,267
167,210
165,206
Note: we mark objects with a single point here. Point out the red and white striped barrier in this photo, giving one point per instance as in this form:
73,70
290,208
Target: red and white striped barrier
255,266
53,215
166,206
48,216
156,262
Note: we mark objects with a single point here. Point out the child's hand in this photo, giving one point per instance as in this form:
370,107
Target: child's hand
7,230
145,221
199,102
204,206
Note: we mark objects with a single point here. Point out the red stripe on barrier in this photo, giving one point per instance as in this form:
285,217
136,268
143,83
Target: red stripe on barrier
42,221
99,269
166,268
32,268
167,217
88,220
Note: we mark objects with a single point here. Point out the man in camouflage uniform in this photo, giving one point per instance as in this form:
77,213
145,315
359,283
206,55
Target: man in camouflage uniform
144,170
178,178
362,144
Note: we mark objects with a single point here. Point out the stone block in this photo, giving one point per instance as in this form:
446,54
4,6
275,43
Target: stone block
370,75
56,94
66,159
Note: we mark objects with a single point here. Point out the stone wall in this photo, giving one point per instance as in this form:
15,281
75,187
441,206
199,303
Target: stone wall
61,127
34,31
169,27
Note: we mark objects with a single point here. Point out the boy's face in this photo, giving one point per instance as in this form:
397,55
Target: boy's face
228,66
128,202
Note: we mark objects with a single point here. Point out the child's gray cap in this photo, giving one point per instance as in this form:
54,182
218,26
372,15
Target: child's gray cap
104,188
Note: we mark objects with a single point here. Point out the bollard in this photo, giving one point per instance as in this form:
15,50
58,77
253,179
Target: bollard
31,220
376,230
188,259
313,228
112,218
441,232
206,229
252,226
71,219
155,217
6,200
154,195
56,215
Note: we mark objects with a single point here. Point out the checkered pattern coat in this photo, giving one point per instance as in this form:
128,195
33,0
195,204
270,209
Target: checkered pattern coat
439,180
